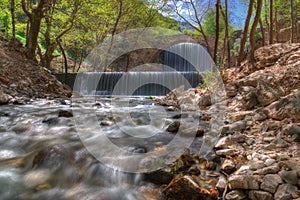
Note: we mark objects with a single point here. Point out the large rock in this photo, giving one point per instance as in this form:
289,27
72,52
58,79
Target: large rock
290,177
186,187
260,195
285,192
4,98
286,107
243,182
270,183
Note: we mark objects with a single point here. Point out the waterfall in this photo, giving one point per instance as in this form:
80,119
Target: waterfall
187,57
182,64
130,83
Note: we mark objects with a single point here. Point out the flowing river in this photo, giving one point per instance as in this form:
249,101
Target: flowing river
47,153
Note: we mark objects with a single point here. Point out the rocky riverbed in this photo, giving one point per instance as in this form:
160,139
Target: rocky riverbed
259,143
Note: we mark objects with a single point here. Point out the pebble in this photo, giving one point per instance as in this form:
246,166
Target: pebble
235,195
225,152
254,165
270,162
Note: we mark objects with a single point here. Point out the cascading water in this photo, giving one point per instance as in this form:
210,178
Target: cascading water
177,57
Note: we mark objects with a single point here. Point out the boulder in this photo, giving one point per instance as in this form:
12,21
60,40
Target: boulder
186,187
260,195
285,192
286,107
270,183
290,177
243,182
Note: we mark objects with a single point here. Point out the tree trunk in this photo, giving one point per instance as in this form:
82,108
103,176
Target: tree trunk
35,19
271,23
217,30
263,33
292,21
245,32
250,58
227,33
13,21
267,21
65,59
276,25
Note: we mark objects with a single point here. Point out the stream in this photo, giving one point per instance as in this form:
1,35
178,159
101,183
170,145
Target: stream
102,152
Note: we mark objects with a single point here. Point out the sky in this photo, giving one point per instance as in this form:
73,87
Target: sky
237,10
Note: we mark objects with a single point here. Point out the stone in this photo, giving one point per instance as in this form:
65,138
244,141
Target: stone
225,152
228,166
205,101
173,127
235,195
222,182
106,123
65,113
290,177
285,191
270,183
254,165
223,143
34,178
259,195
243,182
238,126
273,169
250,100
186,188
286,107
231,90
270,161
291,129
4,98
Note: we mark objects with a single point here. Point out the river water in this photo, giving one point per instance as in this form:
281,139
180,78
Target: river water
47,155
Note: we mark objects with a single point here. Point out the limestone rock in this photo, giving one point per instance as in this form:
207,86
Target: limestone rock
289,177
254,165
222,182
235,195
205,101
4,98
270,183
228,166
185,188
260,195
286,107
285,191
273,169
243,182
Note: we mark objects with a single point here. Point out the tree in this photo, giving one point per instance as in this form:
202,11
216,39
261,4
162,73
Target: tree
35,18
59,20
13,21
250,57
292,20
217,33
245,33
271,23
196,10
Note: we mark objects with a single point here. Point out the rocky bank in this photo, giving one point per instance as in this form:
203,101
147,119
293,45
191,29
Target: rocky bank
258,145
21,79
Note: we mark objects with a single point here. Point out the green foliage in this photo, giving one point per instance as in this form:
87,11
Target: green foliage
209,24
210,79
